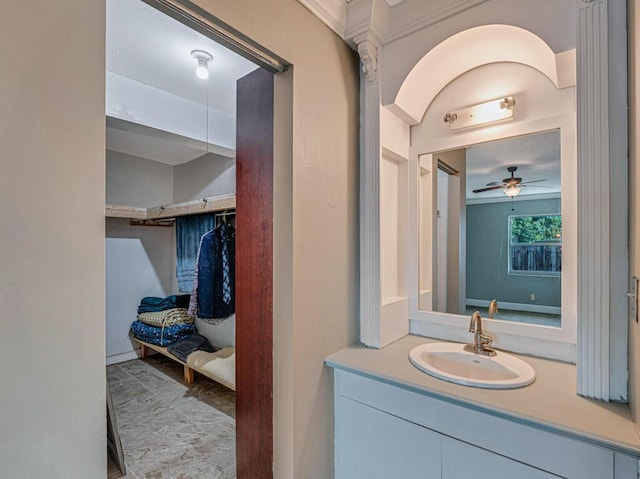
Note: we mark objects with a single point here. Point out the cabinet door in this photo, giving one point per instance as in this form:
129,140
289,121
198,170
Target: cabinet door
371,444
461,460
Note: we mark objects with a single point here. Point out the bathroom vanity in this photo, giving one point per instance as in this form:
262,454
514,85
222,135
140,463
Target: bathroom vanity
392,420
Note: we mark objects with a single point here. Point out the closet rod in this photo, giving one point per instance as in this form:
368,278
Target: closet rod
226,213
169,222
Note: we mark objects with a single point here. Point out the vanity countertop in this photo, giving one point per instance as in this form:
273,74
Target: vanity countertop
550,402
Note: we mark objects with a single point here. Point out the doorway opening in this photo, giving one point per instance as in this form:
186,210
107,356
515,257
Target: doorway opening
189,154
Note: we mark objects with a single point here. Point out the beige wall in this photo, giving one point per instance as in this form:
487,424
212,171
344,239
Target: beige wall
323,314
52,246
634,200
52,344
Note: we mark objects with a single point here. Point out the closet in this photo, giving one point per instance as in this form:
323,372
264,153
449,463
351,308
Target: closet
171,149
137,240
174,138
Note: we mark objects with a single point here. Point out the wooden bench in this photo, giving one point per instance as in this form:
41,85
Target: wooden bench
218,366
144,352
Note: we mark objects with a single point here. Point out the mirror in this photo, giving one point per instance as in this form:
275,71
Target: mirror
490,228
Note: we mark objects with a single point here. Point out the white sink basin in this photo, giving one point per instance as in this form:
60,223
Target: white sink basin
449,361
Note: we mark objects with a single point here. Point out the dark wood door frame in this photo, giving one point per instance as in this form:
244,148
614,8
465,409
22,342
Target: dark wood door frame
254,275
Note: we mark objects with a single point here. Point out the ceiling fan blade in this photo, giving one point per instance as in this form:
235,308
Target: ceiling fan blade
482,190
538,186
533,181
495,183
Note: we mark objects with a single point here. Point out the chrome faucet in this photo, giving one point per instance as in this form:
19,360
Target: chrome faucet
493,308
481,341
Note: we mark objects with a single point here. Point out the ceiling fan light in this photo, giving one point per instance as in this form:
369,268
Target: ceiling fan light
512,191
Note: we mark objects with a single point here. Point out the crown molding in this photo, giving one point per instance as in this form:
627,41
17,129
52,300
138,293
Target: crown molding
391,21
332,13
409,17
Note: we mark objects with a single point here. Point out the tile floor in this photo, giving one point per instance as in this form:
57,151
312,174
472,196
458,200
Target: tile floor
170,430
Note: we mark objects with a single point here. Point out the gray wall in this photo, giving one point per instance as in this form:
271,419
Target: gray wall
134,181
208,175
488,255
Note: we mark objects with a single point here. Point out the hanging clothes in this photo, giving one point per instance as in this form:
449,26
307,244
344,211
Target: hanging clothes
213,297
189,230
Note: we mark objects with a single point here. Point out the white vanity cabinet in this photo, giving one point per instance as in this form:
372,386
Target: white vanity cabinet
460,459
386,431
377,445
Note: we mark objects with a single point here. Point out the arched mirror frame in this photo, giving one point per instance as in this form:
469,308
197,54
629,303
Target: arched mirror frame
602,192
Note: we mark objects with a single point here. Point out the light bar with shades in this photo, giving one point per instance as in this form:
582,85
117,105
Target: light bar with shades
481,114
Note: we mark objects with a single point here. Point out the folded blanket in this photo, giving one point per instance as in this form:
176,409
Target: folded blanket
161,336
168,317
183,348
152,304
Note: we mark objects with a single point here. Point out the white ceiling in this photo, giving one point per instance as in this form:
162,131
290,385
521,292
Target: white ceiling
154,50
148,46
536,156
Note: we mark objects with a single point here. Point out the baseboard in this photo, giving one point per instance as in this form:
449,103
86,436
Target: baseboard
530,308
122,357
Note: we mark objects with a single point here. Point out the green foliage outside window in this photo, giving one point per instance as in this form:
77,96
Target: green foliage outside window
536,229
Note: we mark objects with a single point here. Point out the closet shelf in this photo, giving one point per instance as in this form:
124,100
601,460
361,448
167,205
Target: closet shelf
113,211
204,205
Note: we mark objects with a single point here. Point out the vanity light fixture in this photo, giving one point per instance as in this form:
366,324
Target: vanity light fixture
512,191
203,58
481,114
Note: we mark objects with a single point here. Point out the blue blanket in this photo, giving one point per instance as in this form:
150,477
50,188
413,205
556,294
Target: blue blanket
161,336
153,304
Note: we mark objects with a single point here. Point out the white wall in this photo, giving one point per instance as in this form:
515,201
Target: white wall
208,175
137,102
52,342
140,261
134,181
317,314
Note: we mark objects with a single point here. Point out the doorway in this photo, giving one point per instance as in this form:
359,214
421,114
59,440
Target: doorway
253,168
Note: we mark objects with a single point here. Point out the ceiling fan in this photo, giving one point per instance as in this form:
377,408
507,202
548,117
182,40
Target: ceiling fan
511,186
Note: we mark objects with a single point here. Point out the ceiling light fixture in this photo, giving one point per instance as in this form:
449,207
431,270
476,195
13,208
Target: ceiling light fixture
481,114
203,58
512,191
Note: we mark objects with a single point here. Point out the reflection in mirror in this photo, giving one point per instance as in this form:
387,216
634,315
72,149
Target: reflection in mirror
491,229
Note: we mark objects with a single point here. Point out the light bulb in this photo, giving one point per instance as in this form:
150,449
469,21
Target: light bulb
203,58
202,71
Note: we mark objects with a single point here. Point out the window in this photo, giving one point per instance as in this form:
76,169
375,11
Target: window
535,245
